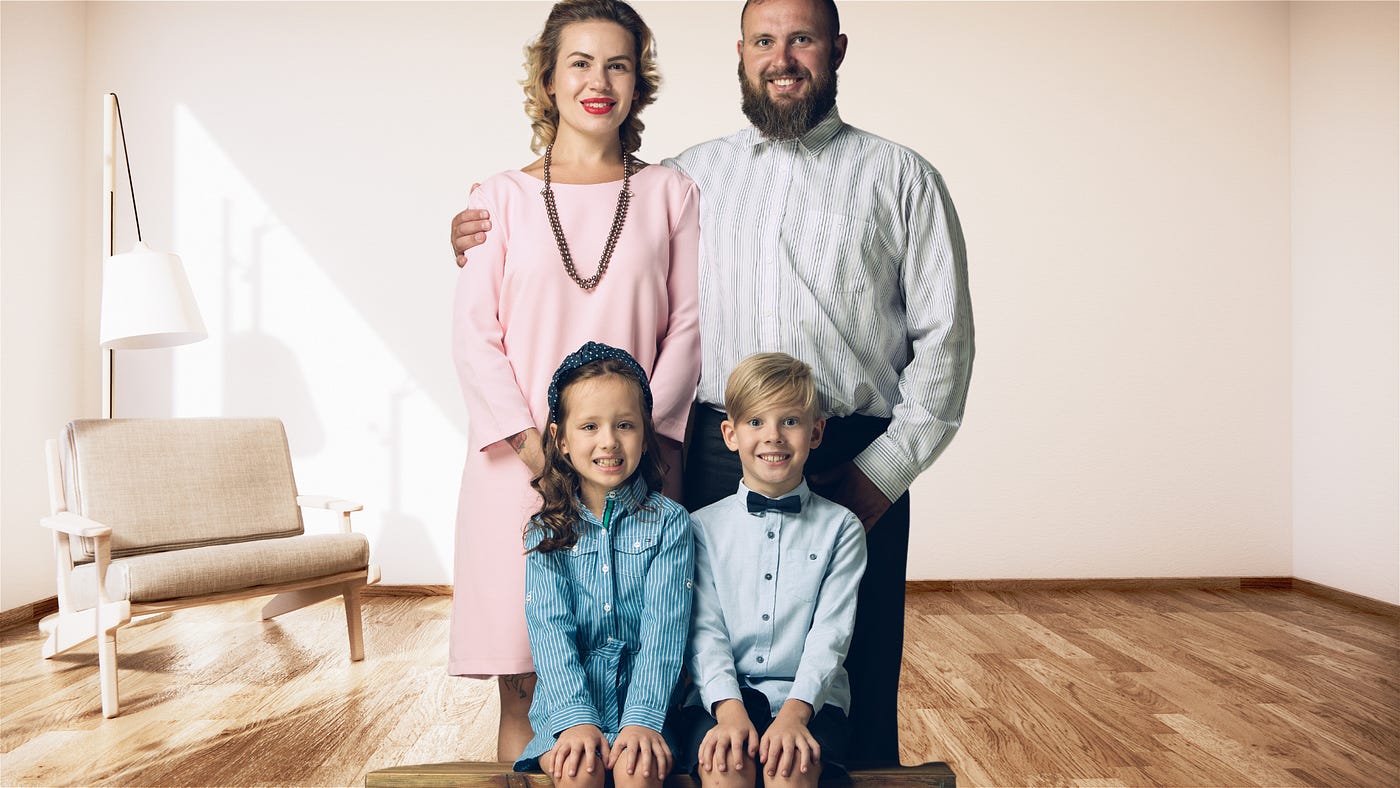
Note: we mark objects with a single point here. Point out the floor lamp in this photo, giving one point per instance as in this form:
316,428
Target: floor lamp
146,297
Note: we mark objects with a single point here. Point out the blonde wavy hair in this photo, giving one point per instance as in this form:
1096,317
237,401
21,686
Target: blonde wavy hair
542,55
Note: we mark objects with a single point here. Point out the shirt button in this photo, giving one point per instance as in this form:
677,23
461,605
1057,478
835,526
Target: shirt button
605,532
770,534
765,616
605,568
635,545
812,556
768,576
608,609
760,659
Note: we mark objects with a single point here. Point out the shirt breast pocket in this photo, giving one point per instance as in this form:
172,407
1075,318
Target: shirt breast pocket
584,552
634,551
805,571
831,252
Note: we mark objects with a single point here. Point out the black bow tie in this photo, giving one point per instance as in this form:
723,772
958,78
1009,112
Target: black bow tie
792,504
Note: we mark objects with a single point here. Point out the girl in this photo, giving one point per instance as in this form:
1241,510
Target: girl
607,581
588,243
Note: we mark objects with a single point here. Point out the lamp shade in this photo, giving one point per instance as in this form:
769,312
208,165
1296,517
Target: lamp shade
147,302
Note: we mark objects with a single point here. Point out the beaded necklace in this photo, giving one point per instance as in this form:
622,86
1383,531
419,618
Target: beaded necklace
619,218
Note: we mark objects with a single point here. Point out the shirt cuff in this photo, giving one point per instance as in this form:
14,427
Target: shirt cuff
571,715
721,688
643,716
809,691
886,468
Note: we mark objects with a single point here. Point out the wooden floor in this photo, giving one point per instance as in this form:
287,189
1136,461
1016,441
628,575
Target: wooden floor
1089,688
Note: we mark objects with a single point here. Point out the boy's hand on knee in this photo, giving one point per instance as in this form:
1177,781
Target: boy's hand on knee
639,748
581,745
787,741
732,738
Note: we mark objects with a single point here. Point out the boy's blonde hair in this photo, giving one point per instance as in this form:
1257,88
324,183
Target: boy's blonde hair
767,378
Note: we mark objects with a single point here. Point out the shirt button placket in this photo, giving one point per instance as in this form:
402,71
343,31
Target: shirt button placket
770,276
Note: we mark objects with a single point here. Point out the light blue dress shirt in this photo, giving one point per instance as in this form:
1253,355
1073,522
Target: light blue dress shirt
775,601
608,619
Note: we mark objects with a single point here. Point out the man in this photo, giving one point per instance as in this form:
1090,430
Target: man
844,250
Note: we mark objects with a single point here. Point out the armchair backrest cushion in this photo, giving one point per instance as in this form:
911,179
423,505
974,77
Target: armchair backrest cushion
171,484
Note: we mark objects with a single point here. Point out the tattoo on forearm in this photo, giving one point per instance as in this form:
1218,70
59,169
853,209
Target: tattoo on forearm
516,683
517,441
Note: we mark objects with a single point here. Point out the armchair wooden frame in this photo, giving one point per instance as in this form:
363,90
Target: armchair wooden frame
71,627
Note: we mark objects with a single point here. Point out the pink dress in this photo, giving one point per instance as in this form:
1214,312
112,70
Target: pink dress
517,314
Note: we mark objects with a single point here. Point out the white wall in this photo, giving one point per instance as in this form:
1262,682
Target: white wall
1346,341
43,333
1121,169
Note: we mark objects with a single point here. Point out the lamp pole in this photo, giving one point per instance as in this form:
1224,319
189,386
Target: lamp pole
109,187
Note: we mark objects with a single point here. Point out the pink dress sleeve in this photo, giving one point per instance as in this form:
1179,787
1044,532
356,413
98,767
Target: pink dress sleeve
677,367
495,403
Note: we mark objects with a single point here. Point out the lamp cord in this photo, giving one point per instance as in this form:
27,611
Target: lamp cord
127,156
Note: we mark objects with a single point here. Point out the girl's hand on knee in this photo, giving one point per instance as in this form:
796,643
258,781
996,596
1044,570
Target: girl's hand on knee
639,748
581,745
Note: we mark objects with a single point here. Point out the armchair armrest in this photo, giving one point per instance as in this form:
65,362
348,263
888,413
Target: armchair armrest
66,524
327,502
338,505
76,525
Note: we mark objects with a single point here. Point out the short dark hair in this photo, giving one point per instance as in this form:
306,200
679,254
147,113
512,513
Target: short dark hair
833,17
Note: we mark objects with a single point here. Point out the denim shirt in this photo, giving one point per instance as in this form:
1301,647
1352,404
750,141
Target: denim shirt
608,618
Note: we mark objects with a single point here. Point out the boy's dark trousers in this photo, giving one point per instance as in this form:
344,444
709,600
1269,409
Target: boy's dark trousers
712,472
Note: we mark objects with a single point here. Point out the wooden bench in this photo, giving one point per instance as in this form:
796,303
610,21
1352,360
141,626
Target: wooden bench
478,774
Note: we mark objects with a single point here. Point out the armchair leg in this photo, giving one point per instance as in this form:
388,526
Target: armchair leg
353,623
107,666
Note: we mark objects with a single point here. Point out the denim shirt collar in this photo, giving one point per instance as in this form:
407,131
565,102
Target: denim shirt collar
627,497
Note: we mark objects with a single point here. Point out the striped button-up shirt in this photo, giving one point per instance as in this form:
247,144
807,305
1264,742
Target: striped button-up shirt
608,619
775,601
843,250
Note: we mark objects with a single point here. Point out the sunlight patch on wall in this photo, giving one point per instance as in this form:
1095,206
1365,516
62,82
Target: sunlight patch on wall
285,341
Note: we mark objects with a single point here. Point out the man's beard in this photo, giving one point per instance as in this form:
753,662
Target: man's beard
790,118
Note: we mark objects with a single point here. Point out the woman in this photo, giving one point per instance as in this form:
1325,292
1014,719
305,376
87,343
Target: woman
588,243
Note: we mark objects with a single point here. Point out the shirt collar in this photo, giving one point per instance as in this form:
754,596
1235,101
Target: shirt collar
802,491
628,497
813,141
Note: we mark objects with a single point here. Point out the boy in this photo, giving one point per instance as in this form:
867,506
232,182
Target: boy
777,570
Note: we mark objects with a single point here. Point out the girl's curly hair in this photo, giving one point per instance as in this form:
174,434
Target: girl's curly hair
542,55
558,484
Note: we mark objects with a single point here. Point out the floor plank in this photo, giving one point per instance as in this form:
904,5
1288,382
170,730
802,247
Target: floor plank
1084,687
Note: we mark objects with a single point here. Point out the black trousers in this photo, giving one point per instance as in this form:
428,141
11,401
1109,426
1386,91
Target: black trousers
712,471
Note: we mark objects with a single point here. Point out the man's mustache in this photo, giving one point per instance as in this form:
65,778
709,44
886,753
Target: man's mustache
790,70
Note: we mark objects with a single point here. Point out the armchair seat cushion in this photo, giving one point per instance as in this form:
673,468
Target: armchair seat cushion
201,571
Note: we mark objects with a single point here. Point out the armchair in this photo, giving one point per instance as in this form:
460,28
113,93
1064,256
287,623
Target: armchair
154,515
